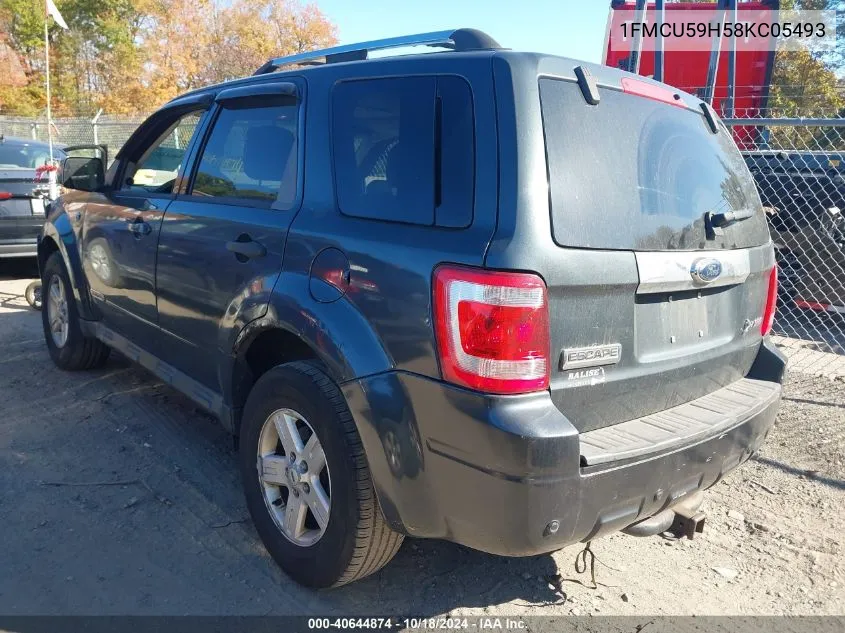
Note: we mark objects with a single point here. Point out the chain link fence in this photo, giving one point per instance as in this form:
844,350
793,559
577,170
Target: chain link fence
112,131
799,167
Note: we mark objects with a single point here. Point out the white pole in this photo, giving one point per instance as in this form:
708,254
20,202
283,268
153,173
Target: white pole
51,175
49,116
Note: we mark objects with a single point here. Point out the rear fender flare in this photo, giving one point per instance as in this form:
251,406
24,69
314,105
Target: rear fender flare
338,334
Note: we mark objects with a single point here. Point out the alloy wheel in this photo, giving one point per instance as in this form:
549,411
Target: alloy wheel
294,476
57,312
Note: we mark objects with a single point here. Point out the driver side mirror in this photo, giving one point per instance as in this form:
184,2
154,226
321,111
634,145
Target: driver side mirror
83,173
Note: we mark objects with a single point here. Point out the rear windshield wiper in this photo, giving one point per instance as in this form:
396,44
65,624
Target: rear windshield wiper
729,217
715,222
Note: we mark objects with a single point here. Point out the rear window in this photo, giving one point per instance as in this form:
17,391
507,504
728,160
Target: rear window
25,156
636,174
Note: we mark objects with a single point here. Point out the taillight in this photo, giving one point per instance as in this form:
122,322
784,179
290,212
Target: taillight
811,305
5,195
771,303
650,91
492,329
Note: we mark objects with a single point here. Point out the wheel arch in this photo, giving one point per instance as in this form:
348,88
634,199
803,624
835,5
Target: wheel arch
297,328
260,347
337,336
57,235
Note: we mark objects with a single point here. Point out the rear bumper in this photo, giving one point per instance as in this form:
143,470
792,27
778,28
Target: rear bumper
494,473
18,248
19,235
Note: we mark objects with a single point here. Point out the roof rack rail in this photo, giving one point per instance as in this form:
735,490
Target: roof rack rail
456,39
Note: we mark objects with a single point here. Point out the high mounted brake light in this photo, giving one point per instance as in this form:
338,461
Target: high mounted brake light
650,91
771,303
492,329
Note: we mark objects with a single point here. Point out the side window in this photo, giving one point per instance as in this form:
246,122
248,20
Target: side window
251,154
383,138
404,149
156,169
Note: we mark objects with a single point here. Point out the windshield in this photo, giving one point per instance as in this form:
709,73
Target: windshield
636,174
25,156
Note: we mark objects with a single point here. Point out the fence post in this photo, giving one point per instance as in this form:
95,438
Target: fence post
33,127
94,125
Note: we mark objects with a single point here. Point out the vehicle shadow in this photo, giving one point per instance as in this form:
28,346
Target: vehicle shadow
18,268
812,475
820,403
449,577
13,300
182,511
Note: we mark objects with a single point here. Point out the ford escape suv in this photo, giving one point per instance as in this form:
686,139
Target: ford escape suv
506,299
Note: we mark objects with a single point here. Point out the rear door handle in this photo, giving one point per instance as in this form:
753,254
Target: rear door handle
139,227
246,247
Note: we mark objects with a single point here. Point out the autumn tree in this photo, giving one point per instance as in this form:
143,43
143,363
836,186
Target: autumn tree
251,32
130,56
805,82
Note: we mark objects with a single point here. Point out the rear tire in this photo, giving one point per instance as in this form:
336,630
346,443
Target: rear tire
32,294
68,347
354,540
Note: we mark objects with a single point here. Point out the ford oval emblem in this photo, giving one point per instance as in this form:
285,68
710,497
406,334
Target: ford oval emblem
706,270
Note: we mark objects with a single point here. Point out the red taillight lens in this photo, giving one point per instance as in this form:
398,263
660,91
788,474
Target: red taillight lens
771,303
492,329
650,91
811,305
5,195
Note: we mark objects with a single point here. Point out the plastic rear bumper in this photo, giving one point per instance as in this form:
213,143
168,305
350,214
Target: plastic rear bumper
493,473
18,248
19,235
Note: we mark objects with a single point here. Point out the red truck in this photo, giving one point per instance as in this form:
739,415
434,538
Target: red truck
688,69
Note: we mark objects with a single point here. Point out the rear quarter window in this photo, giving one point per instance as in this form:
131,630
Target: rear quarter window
403,149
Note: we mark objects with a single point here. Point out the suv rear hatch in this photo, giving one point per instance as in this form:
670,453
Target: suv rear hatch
20,212
651,303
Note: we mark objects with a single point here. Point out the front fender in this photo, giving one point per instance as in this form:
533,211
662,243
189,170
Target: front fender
62,228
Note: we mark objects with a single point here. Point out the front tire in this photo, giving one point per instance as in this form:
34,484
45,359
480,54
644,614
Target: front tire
68,347
306,480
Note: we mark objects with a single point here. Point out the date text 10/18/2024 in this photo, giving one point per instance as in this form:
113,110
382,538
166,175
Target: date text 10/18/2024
434,623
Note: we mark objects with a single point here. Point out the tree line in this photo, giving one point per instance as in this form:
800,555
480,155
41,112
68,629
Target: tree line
130,56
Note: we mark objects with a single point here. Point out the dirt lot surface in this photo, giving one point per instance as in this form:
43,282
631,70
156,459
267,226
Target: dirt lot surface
117,496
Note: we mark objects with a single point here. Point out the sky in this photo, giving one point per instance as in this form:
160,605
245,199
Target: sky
571,28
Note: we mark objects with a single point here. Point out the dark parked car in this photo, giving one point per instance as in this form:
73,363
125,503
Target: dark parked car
22,194
506,299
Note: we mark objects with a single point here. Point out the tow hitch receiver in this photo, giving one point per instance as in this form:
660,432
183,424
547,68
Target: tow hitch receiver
687,523
682,519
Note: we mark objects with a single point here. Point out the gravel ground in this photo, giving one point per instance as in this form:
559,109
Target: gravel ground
118,496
